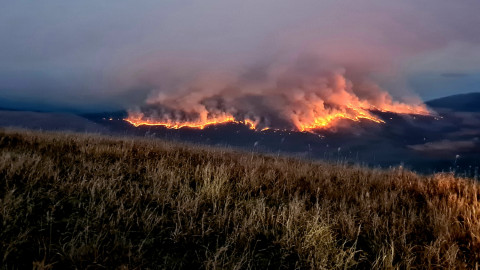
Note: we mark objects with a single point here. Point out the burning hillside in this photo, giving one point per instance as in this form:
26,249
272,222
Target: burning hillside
302,97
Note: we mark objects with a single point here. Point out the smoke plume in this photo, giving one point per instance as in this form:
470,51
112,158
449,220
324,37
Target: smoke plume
301,94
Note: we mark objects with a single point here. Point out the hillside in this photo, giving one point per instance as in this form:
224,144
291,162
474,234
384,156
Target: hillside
460,103
78,201
48,121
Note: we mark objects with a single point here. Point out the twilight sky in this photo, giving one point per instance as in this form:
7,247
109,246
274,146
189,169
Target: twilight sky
112,54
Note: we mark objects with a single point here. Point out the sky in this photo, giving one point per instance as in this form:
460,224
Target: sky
114,54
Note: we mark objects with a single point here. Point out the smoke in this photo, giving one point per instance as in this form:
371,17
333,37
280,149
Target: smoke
304,93
324,67
278,61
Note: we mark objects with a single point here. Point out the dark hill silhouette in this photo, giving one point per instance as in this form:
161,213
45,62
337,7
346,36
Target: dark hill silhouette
460,103
49,121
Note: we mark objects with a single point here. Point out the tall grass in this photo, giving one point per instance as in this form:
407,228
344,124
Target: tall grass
89,201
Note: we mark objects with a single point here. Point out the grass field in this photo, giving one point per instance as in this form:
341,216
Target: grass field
90,201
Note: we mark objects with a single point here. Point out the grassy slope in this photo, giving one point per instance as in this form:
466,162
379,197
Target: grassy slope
85,200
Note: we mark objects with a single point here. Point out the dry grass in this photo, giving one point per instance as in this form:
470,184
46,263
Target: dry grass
87,201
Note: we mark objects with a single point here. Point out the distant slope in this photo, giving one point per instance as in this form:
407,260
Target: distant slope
461,103
48,121
423,143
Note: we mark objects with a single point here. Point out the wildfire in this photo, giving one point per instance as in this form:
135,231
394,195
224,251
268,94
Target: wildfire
323,121
298,101
327,121
306,94
138,119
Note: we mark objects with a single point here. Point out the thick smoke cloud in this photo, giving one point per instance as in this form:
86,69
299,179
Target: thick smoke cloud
295,94
119,53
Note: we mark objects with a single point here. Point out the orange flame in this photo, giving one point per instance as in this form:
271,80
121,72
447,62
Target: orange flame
138,119
327,121
356,114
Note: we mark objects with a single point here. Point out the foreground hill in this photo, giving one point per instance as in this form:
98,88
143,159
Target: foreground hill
80,201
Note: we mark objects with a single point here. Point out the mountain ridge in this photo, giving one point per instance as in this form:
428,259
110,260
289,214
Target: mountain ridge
468,102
